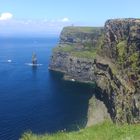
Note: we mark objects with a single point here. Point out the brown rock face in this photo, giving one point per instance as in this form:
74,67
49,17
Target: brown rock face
121,30
122,52
115,70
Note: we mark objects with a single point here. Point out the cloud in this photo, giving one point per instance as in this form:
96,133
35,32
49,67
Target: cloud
65,19
30,26
6,16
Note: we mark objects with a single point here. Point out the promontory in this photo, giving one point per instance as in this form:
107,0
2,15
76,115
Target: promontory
108,56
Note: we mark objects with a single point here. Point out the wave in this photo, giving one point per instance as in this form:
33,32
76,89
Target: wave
31,64
6,61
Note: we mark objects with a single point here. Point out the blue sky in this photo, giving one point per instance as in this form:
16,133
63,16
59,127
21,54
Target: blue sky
43,17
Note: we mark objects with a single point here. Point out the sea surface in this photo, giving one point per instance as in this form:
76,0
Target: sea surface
34,98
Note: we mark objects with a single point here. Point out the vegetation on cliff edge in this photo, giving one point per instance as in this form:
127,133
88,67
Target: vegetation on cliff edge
74,51
76,29
104,131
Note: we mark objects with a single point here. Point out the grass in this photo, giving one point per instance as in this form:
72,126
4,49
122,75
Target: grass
64,48
134,59
103,131
84,54
121,48
82,29
89,54
85,49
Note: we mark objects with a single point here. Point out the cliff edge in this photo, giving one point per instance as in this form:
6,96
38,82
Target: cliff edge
108,56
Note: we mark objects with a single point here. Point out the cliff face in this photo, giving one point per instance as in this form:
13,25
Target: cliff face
80,35
76,51
108,57
125,32
122,48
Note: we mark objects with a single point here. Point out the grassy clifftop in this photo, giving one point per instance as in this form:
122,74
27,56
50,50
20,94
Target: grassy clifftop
80,35
83,29
104,131
80,42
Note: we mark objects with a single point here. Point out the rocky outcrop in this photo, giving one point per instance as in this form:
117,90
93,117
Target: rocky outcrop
79,69
122,47
97,112
80,39
115,69
80,35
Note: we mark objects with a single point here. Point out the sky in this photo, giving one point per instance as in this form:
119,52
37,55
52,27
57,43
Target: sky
48,17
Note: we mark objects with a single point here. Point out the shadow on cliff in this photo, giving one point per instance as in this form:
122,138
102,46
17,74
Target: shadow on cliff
108,101
71,100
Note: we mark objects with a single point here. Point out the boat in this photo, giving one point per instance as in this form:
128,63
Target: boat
73,80
9,60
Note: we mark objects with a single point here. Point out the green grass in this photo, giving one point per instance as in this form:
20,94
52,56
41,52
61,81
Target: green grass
64,48
104,131
89,54
82,29
134,59
84,54
121,48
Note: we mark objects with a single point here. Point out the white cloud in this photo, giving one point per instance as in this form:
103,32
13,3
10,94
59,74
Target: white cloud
65,19
30,26
6,16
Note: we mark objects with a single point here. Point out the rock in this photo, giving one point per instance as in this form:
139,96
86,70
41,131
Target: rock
80,35
115,69
118,30
97,112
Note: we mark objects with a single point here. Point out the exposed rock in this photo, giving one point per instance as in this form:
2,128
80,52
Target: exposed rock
115,70
97,112
118,30
81,69
80,35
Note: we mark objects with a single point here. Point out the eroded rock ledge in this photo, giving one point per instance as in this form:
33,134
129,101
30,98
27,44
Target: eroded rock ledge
106,56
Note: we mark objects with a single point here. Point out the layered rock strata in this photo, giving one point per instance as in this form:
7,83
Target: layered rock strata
115,68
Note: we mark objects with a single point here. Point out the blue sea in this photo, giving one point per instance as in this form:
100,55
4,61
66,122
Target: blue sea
34,98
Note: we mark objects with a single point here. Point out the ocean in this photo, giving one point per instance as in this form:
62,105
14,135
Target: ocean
34,98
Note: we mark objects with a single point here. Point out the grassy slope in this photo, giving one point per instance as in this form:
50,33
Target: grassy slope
89,50
89,54
104,131
76,29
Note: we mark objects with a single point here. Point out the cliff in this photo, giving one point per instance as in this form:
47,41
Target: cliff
106,56
76,51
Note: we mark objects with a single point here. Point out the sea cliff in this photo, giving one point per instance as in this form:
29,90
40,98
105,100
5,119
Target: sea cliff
109,57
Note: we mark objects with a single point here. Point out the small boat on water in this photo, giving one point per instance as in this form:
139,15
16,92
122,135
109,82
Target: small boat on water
9,60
